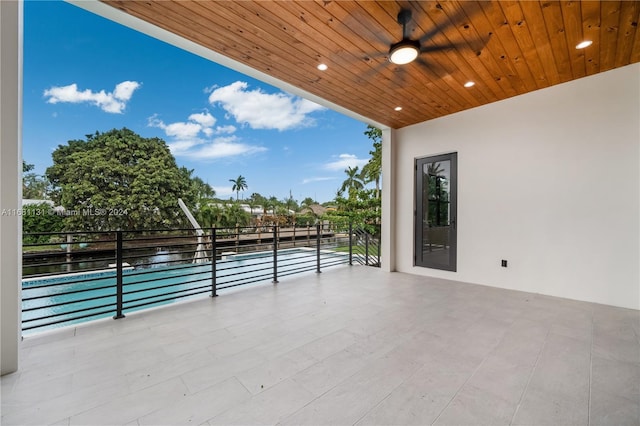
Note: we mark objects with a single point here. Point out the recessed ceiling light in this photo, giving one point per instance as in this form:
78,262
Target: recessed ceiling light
469,84
322,67
398,108
584,44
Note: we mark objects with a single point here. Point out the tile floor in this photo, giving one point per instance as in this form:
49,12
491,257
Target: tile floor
351,346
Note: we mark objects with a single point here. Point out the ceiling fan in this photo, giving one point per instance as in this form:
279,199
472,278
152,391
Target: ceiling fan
408,50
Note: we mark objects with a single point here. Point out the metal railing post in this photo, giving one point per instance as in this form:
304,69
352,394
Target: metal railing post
119,287
68,249
351,243
275,255
366,248
214,263
318,239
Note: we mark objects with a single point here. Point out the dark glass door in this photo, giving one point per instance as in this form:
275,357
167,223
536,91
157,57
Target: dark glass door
436,211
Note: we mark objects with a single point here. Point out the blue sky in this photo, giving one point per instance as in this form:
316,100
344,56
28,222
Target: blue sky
83,73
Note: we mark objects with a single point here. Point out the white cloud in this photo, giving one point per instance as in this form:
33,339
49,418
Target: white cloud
113,102
181,130
222,147
344,161
223,191
182,147
124,90
317,179
203,118
225,129
262,110
191,138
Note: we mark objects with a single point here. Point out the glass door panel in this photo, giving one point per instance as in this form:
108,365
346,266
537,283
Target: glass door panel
435,225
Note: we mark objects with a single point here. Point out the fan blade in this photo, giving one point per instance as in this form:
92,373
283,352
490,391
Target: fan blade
357,21
375,69
434,70
453,20
450,46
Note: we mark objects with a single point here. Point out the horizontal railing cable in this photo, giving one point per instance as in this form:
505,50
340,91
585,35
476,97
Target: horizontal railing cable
67,281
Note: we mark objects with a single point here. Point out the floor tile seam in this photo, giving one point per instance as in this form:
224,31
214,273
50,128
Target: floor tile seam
233,405
418,367
209,384
320,359
12,383
365,365
533,369
622,397
464,384
131,392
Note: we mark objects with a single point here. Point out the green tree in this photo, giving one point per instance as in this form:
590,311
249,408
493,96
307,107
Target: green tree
361,209
33,186
291,203
202,189
236,215
437,200
37,218
372,171
258,200
307,202
273,203
239,184
352,184
252,205
119,180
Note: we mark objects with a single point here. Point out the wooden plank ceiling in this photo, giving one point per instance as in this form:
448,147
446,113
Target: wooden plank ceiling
506,47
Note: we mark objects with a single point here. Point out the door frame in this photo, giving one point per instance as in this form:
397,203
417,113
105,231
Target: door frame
418,229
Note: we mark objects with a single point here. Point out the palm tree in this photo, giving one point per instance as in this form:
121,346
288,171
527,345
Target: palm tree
274,203
202,189
308,202
372,171
353,183
434,169
239,184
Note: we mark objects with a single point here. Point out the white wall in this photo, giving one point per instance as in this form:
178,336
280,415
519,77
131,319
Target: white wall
10,181
388,231
549,181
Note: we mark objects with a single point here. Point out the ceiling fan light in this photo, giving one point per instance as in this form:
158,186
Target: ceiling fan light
404,52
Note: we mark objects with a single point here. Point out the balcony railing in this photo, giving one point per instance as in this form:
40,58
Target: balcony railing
80,276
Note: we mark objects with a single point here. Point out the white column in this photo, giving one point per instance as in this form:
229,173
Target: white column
388,249
10,181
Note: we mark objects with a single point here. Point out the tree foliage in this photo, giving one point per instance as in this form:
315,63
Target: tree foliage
352,184
362,209
239,184
33,186
119,180
362,205
307,202
222,215
38,218
201,189
372,171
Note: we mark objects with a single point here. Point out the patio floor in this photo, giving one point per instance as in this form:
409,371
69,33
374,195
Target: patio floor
353,345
